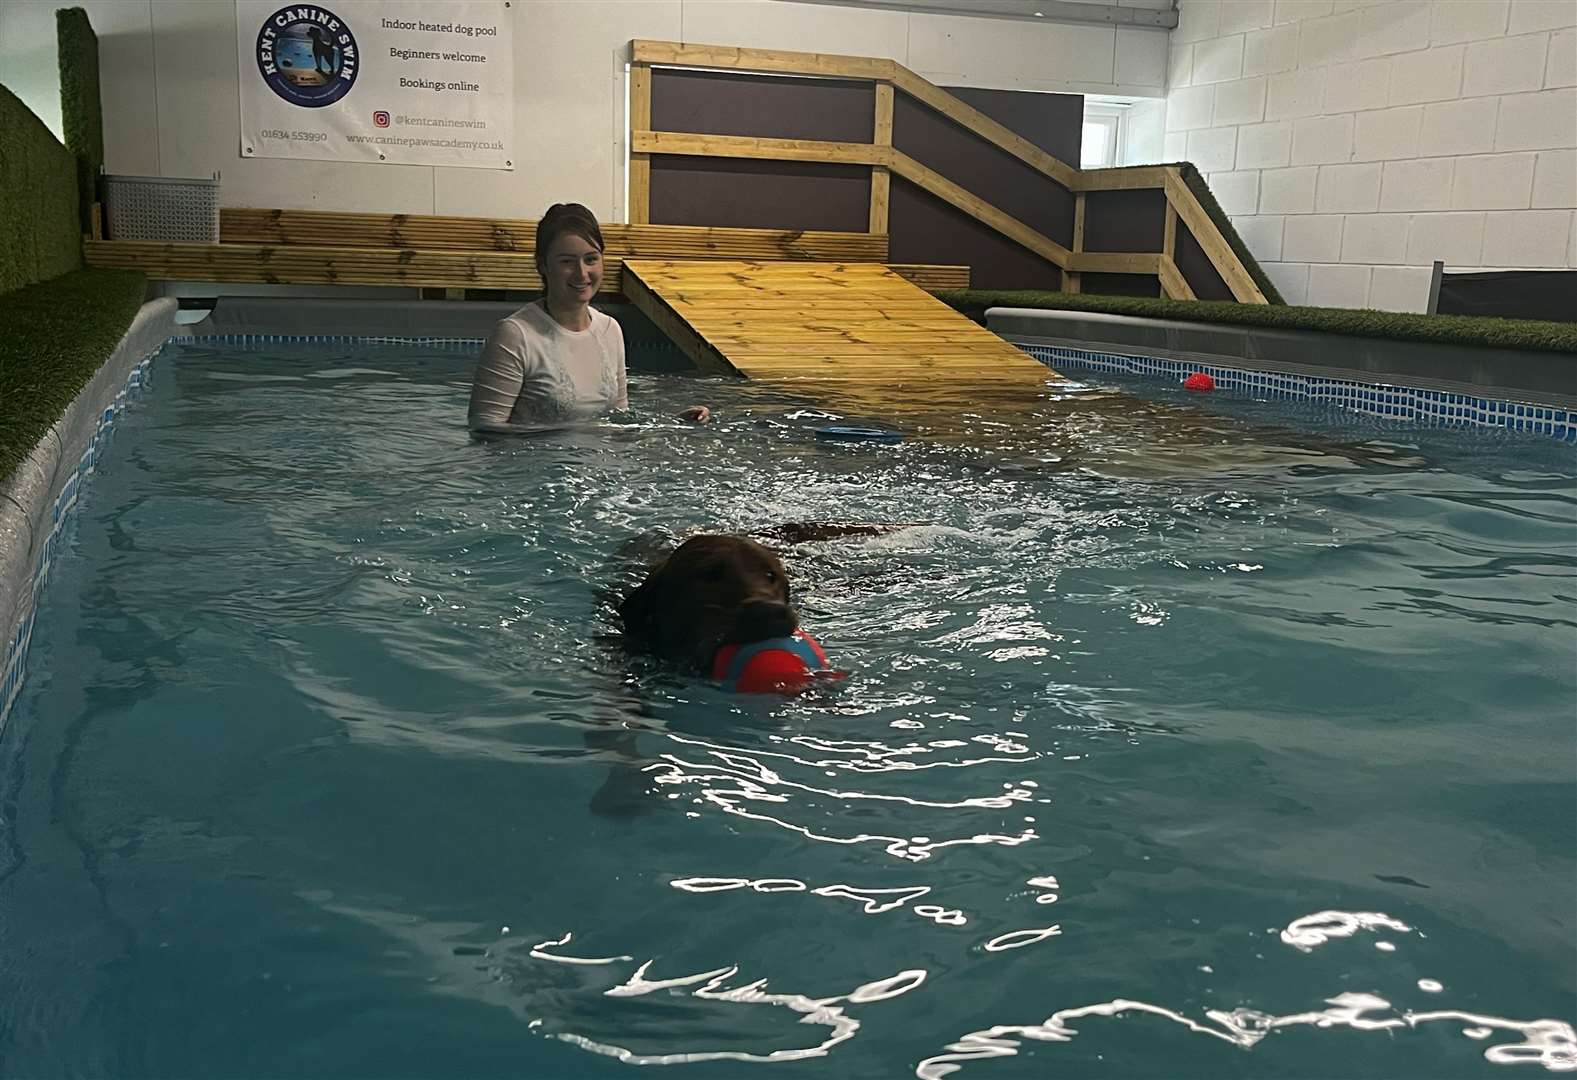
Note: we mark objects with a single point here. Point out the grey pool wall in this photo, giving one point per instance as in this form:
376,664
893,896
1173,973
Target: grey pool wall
1411,381
36,499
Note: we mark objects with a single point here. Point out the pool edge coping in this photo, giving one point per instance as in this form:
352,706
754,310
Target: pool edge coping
1545,379
37,497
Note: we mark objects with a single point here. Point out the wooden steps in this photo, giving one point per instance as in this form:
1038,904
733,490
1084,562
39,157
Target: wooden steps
856,335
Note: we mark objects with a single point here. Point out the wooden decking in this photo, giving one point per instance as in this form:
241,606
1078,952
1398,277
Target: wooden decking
315,247
855,334
293,264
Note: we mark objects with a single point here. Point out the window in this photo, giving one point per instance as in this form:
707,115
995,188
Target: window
1098,146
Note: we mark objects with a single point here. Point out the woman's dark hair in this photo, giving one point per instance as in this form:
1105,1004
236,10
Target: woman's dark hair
564,218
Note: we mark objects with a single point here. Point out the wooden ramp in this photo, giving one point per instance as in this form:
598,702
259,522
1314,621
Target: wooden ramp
853,334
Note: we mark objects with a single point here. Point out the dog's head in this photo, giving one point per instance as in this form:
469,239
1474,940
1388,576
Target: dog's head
712,591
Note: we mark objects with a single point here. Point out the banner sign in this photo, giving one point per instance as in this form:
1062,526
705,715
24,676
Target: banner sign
409,82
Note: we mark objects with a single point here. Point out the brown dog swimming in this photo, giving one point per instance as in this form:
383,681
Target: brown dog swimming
714,590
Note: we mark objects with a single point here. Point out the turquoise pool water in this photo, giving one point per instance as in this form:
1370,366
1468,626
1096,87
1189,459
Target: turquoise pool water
1188,737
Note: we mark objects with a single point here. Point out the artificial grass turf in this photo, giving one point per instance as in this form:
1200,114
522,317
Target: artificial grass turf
81,114
53,337
39,234
1441,329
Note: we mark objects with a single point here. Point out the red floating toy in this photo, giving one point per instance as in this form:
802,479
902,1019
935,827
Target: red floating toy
1200,381
775,666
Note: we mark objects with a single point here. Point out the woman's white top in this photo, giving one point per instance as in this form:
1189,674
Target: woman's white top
533,371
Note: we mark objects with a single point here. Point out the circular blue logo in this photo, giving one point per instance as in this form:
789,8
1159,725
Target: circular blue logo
307,55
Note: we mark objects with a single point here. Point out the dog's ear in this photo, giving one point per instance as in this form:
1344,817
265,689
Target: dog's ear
640,608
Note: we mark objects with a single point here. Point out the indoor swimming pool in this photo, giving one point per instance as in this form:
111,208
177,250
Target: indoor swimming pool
1182,737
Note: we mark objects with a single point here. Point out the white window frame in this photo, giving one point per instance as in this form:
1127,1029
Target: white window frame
1111,117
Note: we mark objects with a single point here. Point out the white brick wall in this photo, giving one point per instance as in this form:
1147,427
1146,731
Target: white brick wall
1322,140
1335,285
1213,149
1468,20
1554,179
1360,85
1355,142
1453,128
1262,235
1348,189
1267,146
1288,191
1388,134
1431,75
1267,52
1312,238
1242,102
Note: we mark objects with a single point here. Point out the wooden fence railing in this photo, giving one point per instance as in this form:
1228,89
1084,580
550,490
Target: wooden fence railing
883,159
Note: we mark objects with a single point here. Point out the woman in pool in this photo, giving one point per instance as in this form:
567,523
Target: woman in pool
557,358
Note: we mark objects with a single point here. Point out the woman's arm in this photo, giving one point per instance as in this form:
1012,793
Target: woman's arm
499,375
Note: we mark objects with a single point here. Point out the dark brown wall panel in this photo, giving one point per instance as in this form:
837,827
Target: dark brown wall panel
984,170
924,229
741,194
795,195
1197,269
762,106
1053,122
1124,220
1120,284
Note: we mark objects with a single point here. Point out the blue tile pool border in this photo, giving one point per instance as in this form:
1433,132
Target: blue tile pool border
255,340
1412,404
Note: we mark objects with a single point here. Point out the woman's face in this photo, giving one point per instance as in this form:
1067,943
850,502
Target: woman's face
571,270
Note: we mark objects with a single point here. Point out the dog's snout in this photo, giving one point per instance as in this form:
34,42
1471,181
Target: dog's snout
761,619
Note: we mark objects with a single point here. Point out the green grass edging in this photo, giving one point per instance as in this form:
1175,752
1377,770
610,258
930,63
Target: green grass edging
81,112
56,336
40,236
1470,330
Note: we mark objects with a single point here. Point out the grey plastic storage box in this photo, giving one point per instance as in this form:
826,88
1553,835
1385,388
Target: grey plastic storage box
172,209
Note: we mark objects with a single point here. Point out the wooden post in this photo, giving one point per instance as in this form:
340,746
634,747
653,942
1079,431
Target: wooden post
1191,216
1173,285
1072,282
881,178
640,208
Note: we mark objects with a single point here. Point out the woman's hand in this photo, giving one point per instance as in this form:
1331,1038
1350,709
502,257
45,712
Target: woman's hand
696,414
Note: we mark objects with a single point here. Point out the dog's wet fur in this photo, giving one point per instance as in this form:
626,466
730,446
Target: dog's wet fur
721,589
714,590
692,598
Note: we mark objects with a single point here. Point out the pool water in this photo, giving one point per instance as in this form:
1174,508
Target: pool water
1183,737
